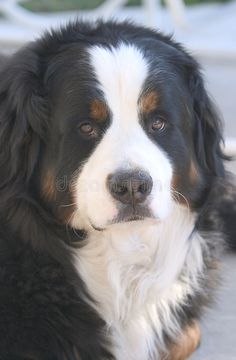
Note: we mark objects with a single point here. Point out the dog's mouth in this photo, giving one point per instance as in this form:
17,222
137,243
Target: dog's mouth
130,213
126,215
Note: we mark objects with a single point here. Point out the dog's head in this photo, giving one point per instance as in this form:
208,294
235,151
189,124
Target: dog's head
105,124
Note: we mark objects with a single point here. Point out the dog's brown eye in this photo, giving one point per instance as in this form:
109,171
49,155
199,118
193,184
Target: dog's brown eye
87,129
158,125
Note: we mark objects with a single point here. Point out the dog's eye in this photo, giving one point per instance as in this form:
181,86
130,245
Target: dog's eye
87,129
158,125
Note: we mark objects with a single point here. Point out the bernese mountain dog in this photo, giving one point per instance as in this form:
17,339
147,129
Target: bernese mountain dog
110,161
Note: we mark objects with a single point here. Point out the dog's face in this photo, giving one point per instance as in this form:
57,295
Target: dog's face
129,130
135,129
122,118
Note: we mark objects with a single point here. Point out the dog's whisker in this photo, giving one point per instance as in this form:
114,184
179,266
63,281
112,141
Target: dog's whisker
175,192
68,205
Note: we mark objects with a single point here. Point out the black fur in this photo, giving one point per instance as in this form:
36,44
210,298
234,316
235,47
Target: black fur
43,312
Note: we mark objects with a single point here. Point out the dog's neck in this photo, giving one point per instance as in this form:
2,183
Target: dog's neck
133,272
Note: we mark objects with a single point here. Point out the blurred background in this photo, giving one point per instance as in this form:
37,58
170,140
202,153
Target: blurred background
208,29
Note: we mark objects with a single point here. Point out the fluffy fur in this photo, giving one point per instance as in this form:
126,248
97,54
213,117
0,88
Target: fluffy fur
91,266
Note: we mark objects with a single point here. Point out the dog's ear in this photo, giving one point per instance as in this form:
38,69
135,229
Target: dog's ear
23,115
207,128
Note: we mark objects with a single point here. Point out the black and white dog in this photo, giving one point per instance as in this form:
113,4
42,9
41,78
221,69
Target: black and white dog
109,156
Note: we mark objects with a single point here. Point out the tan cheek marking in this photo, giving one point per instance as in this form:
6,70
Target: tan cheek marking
49,187
186,344
98,110
193,173
193,176
175,186
149,102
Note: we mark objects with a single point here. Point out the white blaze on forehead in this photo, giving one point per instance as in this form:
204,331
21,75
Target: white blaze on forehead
121,73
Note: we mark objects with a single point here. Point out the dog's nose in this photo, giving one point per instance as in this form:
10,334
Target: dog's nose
130,187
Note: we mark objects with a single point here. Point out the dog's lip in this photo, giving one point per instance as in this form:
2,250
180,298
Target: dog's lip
131,218
125,215
122,221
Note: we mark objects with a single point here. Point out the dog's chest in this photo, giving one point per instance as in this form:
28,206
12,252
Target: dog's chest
131,273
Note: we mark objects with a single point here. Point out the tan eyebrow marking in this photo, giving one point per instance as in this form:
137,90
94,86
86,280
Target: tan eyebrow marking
98,110
149,102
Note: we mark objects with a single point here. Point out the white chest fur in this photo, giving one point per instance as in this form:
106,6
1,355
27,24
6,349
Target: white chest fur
132,271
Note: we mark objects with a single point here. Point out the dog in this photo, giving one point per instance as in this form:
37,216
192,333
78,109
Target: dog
110,159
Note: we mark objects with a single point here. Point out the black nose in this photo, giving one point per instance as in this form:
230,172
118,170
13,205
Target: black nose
130,187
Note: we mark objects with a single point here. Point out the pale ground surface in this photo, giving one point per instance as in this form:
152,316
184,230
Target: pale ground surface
212,36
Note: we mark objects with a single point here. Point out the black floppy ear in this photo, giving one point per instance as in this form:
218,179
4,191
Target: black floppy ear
23,114
207,128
